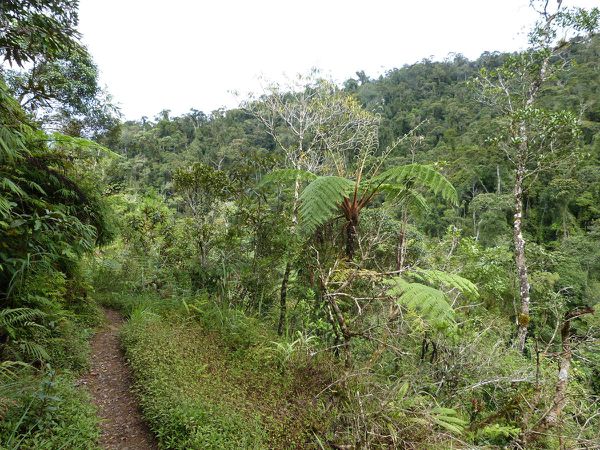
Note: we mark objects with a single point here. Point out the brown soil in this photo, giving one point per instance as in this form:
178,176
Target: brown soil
109,383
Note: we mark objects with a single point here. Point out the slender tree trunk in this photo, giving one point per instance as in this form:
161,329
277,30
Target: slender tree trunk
520,261
351,232
565,226
283,299
343,326
499,187
350,240
296,202
202,254
564,365
288,266
560,395
401,247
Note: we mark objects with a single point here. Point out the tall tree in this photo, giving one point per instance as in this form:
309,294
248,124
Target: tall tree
63,93
202,187
534,139
32,29
319,129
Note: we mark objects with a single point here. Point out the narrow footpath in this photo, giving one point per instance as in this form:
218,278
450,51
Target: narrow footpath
109,382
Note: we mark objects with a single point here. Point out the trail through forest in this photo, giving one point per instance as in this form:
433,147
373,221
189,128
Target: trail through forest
109,382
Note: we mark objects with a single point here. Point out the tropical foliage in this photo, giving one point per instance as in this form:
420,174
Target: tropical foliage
404,262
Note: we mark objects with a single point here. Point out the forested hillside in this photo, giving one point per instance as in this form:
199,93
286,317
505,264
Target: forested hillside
411,261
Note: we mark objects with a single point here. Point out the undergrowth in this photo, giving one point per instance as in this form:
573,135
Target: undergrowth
212,378
41,406
46,411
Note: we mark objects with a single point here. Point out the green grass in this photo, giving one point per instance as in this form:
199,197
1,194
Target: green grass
47,412
210,378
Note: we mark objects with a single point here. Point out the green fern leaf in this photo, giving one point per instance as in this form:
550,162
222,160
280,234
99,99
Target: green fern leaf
8,369
321,200
80,147
429,303
420,175
404,195
16,316
439,278
33,350
447,419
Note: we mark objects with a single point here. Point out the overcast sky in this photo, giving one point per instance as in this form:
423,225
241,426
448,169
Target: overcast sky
182,54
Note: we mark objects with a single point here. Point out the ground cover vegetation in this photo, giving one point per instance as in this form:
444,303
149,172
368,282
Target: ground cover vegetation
411,261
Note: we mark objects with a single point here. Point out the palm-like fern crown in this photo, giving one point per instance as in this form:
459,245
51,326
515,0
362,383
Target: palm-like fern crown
427,302
323,197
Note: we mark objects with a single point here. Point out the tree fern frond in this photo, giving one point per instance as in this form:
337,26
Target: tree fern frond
12,142
439,278
286,177
421,175
429,303
5,206
9,186
404,195
321,199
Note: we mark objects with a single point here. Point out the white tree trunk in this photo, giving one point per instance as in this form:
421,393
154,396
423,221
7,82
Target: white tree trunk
520,261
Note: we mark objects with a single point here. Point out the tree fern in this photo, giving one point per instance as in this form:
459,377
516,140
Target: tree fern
15,321
321,200
32,350
429,303
20,322
420,175
79,147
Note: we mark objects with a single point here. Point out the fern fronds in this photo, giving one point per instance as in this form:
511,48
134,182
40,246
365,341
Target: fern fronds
429,303
32,350
448,419
321,200
286,177
439,278
16,322
419,175
8,369
80,147
10,186
405,195
11,317
5,206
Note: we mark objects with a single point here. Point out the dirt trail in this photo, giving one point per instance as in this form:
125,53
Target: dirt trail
109,382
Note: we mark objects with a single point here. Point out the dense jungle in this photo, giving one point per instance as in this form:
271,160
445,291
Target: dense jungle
409,261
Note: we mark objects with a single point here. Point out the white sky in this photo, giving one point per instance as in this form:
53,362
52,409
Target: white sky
182,54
